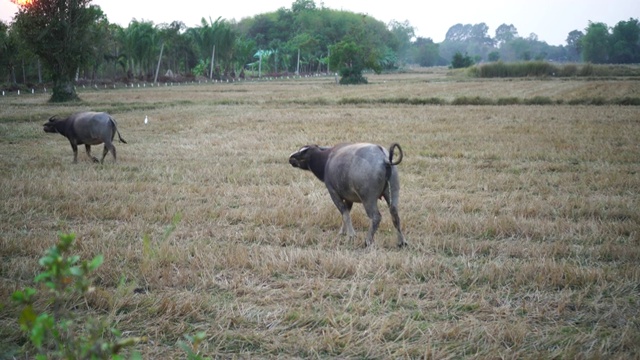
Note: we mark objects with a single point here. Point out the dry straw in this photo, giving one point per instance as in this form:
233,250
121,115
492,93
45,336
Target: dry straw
522,220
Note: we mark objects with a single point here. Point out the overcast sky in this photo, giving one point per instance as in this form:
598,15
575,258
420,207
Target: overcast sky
550,20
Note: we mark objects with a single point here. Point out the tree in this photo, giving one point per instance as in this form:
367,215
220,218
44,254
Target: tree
469,33
574,44
425,52
9,50
505,33
175,43
60,33
215,41
98,49
357,52
141,44
243,51
595,43
479,34
345,55
403,33
458,32
472,39
625,42
461,61
306,44
303,5
494,56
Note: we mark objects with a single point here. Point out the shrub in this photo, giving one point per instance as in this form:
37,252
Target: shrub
627,101
58,333
509,101
460,61
351,76
353,101
465,100
539,100
427,101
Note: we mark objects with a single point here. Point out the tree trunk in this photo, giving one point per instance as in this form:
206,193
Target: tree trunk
39,72
24,74
63,90
14,79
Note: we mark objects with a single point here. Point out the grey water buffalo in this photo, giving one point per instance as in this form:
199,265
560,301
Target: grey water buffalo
359,172
88,128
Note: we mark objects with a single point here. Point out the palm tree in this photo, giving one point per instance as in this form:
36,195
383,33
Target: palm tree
215,39
244,48
140,43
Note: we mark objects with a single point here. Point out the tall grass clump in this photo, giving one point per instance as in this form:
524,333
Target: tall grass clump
539,100
519,69
627,100
500,69
393,101
472,100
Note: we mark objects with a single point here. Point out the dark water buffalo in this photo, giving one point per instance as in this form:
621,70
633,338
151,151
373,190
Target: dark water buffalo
360,173
88,128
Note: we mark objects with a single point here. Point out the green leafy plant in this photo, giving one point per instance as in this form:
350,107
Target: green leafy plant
191,348
201,68
57,332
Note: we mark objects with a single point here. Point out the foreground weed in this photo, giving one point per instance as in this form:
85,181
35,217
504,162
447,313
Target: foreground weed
57,332
191,348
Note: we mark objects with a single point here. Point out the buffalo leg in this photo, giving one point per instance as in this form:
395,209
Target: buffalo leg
345,208
88,149
108,147
371,207
74,147
395,217
396,222
347,226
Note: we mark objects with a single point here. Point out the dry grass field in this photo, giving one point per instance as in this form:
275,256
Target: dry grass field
522,221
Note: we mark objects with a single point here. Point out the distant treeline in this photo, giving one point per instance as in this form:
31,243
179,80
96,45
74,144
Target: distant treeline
304,39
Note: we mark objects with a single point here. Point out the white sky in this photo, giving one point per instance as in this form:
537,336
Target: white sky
551,20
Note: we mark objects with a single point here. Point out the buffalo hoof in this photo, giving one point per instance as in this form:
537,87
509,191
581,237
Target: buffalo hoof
95,159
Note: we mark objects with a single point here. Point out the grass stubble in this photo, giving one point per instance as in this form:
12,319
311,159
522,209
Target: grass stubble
522,222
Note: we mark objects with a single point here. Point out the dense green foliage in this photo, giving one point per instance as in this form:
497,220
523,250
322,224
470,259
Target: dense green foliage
461,61
305,38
